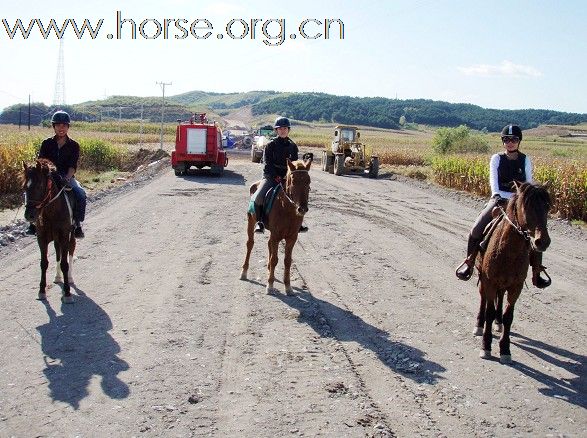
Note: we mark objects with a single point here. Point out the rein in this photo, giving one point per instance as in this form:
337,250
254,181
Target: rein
524,233
284,189
44,202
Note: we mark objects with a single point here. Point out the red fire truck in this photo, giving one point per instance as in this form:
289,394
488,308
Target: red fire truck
198,143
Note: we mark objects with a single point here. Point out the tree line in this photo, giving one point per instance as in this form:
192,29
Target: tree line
310,107
392,113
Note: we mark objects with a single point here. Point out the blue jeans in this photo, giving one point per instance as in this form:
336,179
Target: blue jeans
79,211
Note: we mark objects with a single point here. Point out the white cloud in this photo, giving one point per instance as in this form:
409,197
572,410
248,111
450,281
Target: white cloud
506,68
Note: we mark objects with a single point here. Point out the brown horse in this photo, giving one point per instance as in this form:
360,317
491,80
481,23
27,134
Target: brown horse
48,206
283,222
504,265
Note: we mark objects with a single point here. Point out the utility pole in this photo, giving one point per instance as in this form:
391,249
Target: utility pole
163,84
29,112
120,108
141,129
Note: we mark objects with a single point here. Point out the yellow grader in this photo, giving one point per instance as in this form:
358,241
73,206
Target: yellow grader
347,154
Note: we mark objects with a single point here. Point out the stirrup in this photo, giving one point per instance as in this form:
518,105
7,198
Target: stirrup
540,282
465,270
303,229
31,230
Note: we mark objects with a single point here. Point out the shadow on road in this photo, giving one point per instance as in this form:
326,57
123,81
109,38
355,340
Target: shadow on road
328,320
203,176
77,346
572,390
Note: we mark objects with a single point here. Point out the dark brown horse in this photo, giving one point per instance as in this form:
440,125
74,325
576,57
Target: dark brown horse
47,205
283,222
504,265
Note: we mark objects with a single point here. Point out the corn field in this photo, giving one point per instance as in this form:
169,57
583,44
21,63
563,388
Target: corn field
567,181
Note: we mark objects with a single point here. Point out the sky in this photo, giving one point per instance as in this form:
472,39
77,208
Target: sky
495,54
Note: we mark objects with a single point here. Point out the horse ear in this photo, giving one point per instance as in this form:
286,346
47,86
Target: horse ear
517,185
24,166
547,184
290,165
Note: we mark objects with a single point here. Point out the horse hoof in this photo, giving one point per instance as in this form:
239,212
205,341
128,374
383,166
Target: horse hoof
67,299
505,359
485,354
498,328
289,291
58,280
271,291
42,296
478,331
243,275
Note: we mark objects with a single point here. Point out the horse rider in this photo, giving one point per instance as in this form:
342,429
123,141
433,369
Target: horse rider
275,158
504,168
63,152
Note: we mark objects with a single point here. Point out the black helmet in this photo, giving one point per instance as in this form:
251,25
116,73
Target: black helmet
60,117
282,122
511,131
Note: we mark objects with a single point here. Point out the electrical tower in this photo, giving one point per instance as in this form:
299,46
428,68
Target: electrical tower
59,95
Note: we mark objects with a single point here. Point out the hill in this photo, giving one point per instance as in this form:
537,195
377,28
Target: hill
310,107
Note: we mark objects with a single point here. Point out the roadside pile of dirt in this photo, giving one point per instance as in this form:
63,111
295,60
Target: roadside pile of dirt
143,157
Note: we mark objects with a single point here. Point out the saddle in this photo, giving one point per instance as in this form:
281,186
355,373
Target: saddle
268,201
497,214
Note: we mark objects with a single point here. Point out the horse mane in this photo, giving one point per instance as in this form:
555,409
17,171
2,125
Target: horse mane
530,194
43,164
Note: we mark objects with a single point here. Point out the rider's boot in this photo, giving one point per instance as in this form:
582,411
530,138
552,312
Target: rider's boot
259,227
78,232
537,268
32,229
465,270
303,229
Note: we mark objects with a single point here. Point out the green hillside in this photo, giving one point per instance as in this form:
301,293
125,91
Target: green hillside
310,107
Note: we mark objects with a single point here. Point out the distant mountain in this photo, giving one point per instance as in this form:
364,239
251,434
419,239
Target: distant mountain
310,107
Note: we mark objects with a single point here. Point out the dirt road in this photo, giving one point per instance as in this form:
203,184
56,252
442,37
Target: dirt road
164,339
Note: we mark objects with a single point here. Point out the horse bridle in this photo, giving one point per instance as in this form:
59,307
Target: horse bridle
39,205
524,233
284,189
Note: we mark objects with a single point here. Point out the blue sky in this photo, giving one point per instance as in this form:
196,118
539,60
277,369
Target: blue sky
496,54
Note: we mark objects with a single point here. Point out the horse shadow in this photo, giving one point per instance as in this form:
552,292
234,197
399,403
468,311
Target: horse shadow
76,346
330,321
204,176
572,390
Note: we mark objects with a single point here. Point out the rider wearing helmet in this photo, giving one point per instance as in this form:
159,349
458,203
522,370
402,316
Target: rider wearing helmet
63,152
275,158
504,168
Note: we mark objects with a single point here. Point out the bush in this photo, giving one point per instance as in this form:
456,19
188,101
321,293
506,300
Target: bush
100,155
460,139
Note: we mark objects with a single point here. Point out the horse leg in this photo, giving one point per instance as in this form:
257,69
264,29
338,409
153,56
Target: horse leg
489,295
72,245
271,264
58,272
64,263
505,356
499,311
480,316
44,247
289,244
250,243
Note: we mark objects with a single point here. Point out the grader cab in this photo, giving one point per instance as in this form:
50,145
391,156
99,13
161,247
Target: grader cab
347,154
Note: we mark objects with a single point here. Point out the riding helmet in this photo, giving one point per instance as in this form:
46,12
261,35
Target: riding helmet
60,117
282,122
511,131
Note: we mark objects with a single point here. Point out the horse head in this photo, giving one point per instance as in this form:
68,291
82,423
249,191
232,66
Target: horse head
37,187
297,184
530,205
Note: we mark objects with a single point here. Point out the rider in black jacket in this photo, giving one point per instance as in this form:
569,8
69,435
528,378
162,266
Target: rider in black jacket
275,158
